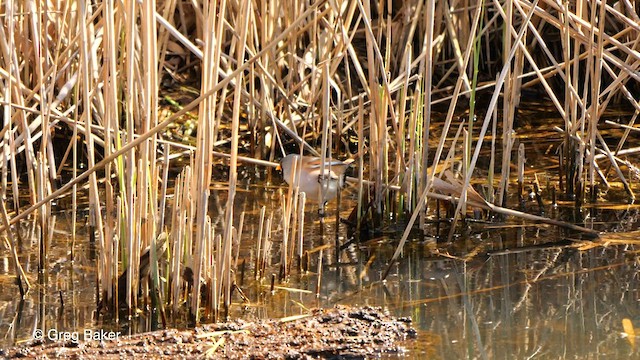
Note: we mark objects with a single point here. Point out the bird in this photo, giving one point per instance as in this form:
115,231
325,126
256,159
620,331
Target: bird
316,185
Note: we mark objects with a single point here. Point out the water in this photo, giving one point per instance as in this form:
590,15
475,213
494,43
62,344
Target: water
550,302
504,289
508,292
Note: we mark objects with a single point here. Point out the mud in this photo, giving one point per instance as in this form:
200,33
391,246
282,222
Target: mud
338,333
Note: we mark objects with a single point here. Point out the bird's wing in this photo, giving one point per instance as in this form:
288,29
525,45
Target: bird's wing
337,166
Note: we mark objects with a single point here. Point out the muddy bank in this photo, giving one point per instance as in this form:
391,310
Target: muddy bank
339,333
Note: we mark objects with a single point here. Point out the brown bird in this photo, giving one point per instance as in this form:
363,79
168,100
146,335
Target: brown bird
310,179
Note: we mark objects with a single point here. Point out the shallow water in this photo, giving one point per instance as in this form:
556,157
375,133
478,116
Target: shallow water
517,295
498,290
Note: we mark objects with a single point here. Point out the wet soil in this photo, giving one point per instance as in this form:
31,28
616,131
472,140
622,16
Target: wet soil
338,333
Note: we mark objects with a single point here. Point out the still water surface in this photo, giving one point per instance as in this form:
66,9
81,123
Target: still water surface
500,290
523,291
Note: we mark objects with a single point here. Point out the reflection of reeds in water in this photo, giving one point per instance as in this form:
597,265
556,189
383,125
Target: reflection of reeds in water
311,77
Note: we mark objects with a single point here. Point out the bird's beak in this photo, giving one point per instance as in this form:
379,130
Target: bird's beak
279,168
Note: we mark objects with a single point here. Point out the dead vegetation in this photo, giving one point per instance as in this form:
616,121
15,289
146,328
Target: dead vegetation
326,78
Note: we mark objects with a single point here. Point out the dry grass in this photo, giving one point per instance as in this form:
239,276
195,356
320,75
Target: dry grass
274,75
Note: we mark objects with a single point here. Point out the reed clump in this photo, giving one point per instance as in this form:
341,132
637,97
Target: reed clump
81,99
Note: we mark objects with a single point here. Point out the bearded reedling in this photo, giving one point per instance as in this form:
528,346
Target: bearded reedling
310,179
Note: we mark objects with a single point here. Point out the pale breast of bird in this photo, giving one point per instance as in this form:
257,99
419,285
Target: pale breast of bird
309,177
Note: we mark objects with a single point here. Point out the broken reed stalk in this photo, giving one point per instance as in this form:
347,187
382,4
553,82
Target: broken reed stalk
289,250
258,264
215,271
521,161
492,159
177,230
14,172
538,196
225,265
266,246
319,274
288,224
163,190
115,252
238,238
301,207
285,238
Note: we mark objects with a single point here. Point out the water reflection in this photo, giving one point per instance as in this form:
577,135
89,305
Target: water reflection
61,296
506,291
555,302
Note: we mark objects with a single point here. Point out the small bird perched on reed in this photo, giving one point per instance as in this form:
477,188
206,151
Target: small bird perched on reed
310,179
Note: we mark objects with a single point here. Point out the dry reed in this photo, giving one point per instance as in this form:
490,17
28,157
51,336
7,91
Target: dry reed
308,73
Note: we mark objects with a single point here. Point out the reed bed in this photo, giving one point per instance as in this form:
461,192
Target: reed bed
336,79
